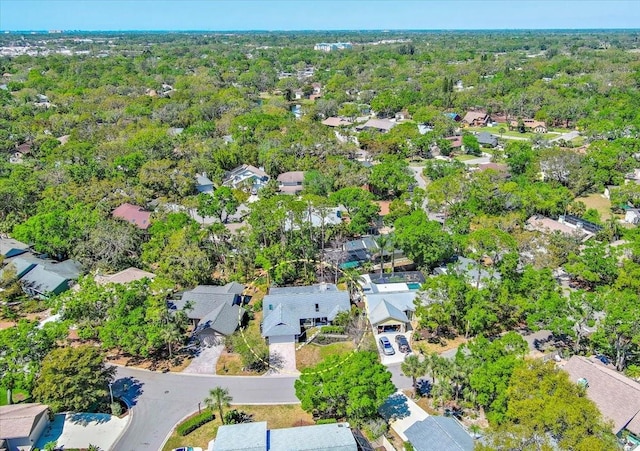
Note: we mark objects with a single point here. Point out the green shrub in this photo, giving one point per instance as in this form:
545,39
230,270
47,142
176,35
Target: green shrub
193,423
327,421
332,329
116,409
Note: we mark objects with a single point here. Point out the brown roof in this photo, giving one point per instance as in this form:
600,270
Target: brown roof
547,225
475,115
24,148
125,276
617,396
384,207
335,122
532,123
291,177
18,420
456,141
133,214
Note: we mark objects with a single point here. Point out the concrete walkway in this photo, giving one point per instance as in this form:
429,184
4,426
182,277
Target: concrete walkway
282,358
79,430
206,360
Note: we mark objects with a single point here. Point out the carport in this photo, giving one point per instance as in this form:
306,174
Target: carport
385,317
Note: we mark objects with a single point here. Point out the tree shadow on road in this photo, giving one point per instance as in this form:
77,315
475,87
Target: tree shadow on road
128,389
395,407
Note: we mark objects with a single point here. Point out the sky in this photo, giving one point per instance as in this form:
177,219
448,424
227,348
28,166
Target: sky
117,15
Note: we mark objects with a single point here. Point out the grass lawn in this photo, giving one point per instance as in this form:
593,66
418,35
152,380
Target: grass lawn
17,395
312,354
427,348
510,133
465,157
598,202
276,416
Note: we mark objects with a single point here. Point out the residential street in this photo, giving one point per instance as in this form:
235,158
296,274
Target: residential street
417,173
162,399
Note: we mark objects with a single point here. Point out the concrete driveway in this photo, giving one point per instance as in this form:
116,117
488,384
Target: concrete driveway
402,412
160,400
79,430
396,358
282,358
205,361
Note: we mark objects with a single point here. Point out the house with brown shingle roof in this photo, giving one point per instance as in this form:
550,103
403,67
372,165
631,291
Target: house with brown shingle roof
133,214
291,182
125,276
476,119
22,424
616,396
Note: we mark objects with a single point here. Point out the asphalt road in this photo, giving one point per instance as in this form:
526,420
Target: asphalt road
160,400
417,174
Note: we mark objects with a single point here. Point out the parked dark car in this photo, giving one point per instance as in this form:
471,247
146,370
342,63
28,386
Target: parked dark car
403,343
386,347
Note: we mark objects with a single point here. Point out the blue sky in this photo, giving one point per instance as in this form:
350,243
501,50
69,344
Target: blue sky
315,14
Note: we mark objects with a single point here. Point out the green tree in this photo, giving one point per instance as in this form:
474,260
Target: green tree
218,399
422,240
360,208
74,379
391,177
471,145
352,388
412,367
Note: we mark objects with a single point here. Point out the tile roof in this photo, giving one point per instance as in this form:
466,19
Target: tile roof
437,433
18,420
134,215
617,396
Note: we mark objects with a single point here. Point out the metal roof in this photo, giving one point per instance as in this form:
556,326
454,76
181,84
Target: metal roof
241,437
437,433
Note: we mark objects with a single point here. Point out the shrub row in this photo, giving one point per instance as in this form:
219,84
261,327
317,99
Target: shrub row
194,423
332,329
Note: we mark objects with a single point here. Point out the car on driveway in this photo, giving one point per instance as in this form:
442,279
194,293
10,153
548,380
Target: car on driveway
188,448
403,343
386,347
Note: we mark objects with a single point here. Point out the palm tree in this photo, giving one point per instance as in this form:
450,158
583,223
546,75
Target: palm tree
218,399
352,278
171,335
383,243
412,367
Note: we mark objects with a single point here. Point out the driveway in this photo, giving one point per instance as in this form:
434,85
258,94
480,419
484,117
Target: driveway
206,359
417,174
402,412
396,358
282,358
160,400
79,430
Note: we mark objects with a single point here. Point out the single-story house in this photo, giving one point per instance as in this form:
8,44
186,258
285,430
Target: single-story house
21,425
487,139
436,433
256,437
203,183
41,277
530,125
246,174
125,276
390,311
566,224
456,142
380,125
474,273
336,122
11,248
616,395
290,182
288,311
476,119
133,214
215,311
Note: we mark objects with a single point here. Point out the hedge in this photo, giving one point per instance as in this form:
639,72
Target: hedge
193,423
332,329
327,421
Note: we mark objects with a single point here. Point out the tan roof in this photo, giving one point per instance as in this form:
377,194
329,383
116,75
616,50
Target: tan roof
291,177
529,123
495,166
617,396
548,225
125,276
335,122
474,115
18,420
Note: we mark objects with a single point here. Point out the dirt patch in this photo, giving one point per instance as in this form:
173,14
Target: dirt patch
445,345
175,364
230,364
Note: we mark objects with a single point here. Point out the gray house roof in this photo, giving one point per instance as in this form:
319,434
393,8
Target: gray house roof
305,289
20,265
10,247
487,139
283,311
402,301
385,311
439,434
256,437
40,276
40,281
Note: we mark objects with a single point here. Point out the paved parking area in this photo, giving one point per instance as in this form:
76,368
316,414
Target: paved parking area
206,360
398,357
282,358
79,430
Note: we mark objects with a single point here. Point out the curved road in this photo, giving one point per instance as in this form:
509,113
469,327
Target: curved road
160,400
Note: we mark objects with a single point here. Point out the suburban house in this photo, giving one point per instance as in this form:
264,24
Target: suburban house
134,215
487,139
380,125
203,183
290,182
436,433
316,217
474,273
453,116
257,437
389,299
476,119
530,125
41,277
214,311
21,151
21,425
288,311
616,396
456,142
125,276
246,176
11,248
336,122
566,224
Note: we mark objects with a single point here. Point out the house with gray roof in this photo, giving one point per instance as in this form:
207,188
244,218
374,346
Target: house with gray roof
257,437
474,273
288,311
246,175
390,312
437,433
203,183
21,425
41,277
213,310
11,248
487,139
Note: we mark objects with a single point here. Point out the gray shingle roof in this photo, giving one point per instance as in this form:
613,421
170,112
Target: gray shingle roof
283,311
385,311
306,289
224,319
439,434
42,281
241,437
10,247
205,299
20,265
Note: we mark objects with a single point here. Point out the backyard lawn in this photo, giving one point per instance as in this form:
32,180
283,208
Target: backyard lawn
17,395
276,416
312,354
598,202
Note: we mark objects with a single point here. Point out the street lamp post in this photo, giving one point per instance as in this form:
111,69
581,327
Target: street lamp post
111,392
